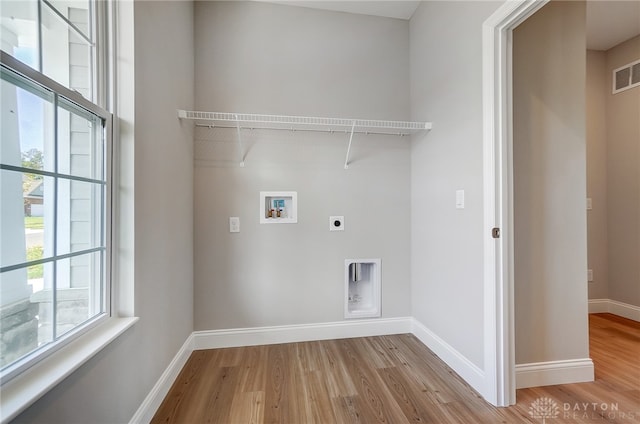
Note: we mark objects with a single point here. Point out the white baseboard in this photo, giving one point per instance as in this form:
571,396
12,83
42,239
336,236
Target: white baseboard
614,307
598,306
215,339
159,391
466,369
527,375
554,372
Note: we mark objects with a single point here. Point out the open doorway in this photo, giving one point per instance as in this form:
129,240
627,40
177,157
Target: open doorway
499,280
613,184
613,157
549,191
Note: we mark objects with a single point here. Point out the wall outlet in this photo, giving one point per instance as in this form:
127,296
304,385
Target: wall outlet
590,275
336,223
234,224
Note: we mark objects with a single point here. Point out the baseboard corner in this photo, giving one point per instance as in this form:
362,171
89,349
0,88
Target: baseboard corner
621,309
159,391
467,370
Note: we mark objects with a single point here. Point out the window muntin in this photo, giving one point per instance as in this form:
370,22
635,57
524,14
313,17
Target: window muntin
58,284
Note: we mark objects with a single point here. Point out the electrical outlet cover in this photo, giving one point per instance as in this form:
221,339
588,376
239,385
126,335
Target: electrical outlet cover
336,223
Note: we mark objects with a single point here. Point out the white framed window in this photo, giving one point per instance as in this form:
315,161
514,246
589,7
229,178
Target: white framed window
55,178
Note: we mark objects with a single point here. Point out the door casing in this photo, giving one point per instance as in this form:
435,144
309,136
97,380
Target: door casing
499,317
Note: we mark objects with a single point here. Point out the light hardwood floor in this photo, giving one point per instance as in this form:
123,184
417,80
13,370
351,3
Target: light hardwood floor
392,379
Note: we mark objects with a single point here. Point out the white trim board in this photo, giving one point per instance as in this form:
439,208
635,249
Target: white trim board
499,347
554,372
25,389
624,310
215,339
466,369
159,391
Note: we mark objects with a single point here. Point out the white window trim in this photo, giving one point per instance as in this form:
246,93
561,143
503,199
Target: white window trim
22,391
25,389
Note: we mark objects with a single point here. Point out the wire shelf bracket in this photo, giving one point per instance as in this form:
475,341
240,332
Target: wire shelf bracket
239,121
240,148
346,160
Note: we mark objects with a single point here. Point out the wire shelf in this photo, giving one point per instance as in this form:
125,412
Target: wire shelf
240,121
248,120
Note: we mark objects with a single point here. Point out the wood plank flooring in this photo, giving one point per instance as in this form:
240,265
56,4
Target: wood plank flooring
614,347
391,379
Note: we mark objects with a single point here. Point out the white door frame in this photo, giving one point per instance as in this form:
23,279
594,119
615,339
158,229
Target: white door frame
499,337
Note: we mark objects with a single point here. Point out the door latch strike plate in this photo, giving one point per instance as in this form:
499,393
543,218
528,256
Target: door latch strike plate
495,232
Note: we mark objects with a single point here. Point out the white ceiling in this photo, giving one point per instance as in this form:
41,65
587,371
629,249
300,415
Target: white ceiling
609,22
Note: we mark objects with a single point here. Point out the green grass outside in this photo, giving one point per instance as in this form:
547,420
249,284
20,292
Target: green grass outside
34,222
36,271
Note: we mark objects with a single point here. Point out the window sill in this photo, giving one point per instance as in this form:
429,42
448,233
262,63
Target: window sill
25,389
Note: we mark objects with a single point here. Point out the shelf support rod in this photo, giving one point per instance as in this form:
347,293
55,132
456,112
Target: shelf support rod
239,142
346,160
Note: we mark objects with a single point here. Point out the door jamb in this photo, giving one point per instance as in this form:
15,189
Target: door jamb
499,334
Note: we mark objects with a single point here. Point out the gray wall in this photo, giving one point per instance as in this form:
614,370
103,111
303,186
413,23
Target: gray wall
549,161
110,387
623,180
598,88
264,58
446,243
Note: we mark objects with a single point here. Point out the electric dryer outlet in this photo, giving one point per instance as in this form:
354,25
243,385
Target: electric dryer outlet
336,223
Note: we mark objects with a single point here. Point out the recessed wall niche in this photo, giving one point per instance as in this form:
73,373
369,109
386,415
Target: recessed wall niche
278,207
362,288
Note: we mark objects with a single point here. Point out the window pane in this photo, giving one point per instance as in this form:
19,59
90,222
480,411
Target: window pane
77,11
27,218
80,142
23,327
19,26
66,57
27,124
79,290
80,206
